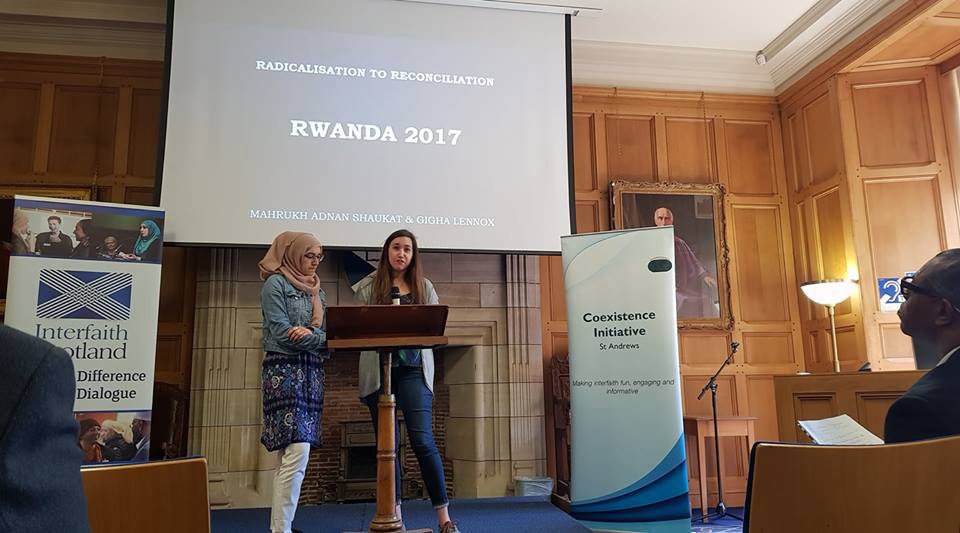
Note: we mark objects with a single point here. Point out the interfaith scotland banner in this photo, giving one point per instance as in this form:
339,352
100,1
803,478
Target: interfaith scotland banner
629,468
85,276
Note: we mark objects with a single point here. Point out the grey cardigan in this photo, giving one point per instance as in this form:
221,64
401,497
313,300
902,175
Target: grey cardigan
370,361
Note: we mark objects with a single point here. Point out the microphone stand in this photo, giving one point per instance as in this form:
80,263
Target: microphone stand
721,509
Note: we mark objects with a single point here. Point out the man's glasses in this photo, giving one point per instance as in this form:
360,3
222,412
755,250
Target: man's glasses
908,287
311,256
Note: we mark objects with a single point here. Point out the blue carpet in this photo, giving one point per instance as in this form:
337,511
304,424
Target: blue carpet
723,525
520,514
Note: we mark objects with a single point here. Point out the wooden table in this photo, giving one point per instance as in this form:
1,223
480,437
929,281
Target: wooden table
701,427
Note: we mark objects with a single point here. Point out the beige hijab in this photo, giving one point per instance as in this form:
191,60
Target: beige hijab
283,258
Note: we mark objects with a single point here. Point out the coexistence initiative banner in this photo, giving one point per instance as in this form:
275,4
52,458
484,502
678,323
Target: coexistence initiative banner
629,468
85,276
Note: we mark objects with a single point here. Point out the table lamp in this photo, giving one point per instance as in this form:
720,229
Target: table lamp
830,292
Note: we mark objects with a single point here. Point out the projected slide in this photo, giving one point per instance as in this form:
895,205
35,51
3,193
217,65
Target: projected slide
354,118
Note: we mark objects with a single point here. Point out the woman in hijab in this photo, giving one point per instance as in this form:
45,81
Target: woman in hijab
147,247
294,338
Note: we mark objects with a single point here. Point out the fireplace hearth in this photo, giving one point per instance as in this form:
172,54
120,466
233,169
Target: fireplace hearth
357,475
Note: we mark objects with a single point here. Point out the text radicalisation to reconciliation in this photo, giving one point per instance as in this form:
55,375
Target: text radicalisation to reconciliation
618,330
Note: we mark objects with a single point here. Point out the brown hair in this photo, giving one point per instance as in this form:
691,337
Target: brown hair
86,425
413,275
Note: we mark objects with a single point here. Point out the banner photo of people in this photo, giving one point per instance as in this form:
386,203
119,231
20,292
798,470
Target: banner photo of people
85,276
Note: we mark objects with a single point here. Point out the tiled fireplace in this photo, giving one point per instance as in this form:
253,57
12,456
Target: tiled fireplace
357,475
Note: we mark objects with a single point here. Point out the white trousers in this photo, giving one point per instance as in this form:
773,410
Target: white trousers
286,485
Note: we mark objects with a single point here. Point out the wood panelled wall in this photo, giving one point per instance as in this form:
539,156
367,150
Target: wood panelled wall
950,100
872,196
901,189
823,233
76,121
695,138
93,123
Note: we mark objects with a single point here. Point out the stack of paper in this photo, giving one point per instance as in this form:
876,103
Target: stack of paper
838,430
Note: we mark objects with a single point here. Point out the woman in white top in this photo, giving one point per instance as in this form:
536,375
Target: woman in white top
412,371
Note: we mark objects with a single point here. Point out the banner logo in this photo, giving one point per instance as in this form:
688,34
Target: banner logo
79,294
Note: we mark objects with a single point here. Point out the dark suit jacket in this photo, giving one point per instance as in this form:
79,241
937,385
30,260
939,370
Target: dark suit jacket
54,249
40,485
930,408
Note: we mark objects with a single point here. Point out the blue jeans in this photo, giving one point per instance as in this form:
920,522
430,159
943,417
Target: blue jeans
416,402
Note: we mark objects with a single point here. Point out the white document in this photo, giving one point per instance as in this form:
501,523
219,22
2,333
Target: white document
839,430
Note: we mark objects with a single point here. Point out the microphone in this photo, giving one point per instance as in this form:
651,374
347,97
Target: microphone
395,295
734,346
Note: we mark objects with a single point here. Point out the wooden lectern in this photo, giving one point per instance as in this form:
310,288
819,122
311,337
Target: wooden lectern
386,328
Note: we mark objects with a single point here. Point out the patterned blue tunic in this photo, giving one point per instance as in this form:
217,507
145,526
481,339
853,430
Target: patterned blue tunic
292,378
292,399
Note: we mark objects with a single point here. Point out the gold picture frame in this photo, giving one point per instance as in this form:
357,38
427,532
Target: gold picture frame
65,193
702,257
7,192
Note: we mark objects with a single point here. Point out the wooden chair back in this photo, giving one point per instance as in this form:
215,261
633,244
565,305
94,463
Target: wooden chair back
154,497
797,488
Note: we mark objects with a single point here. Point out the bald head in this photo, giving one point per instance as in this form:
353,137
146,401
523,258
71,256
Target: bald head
663,217
930,316
942,275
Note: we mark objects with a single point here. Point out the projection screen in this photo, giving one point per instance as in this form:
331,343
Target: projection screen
354,118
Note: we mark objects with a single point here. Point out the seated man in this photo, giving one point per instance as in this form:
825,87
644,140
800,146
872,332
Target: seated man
40,485
110,248
931,317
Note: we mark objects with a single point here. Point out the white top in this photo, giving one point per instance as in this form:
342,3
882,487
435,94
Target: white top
945,357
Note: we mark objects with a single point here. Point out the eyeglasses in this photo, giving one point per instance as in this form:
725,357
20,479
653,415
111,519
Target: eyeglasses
311,256
908,287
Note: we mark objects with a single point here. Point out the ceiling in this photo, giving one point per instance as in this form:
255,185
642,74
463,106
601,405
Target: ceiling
706,45
745,25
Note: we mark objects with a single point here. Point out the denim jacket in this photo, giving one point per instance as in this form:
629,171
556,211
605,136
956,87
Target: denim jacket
284,306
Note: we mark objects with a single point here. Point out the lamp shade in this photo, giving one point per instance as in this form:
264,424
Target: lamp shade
828,291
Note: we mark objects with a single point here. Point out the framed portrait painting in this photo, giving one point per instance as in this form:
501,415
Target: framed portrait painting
700,263
7,192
